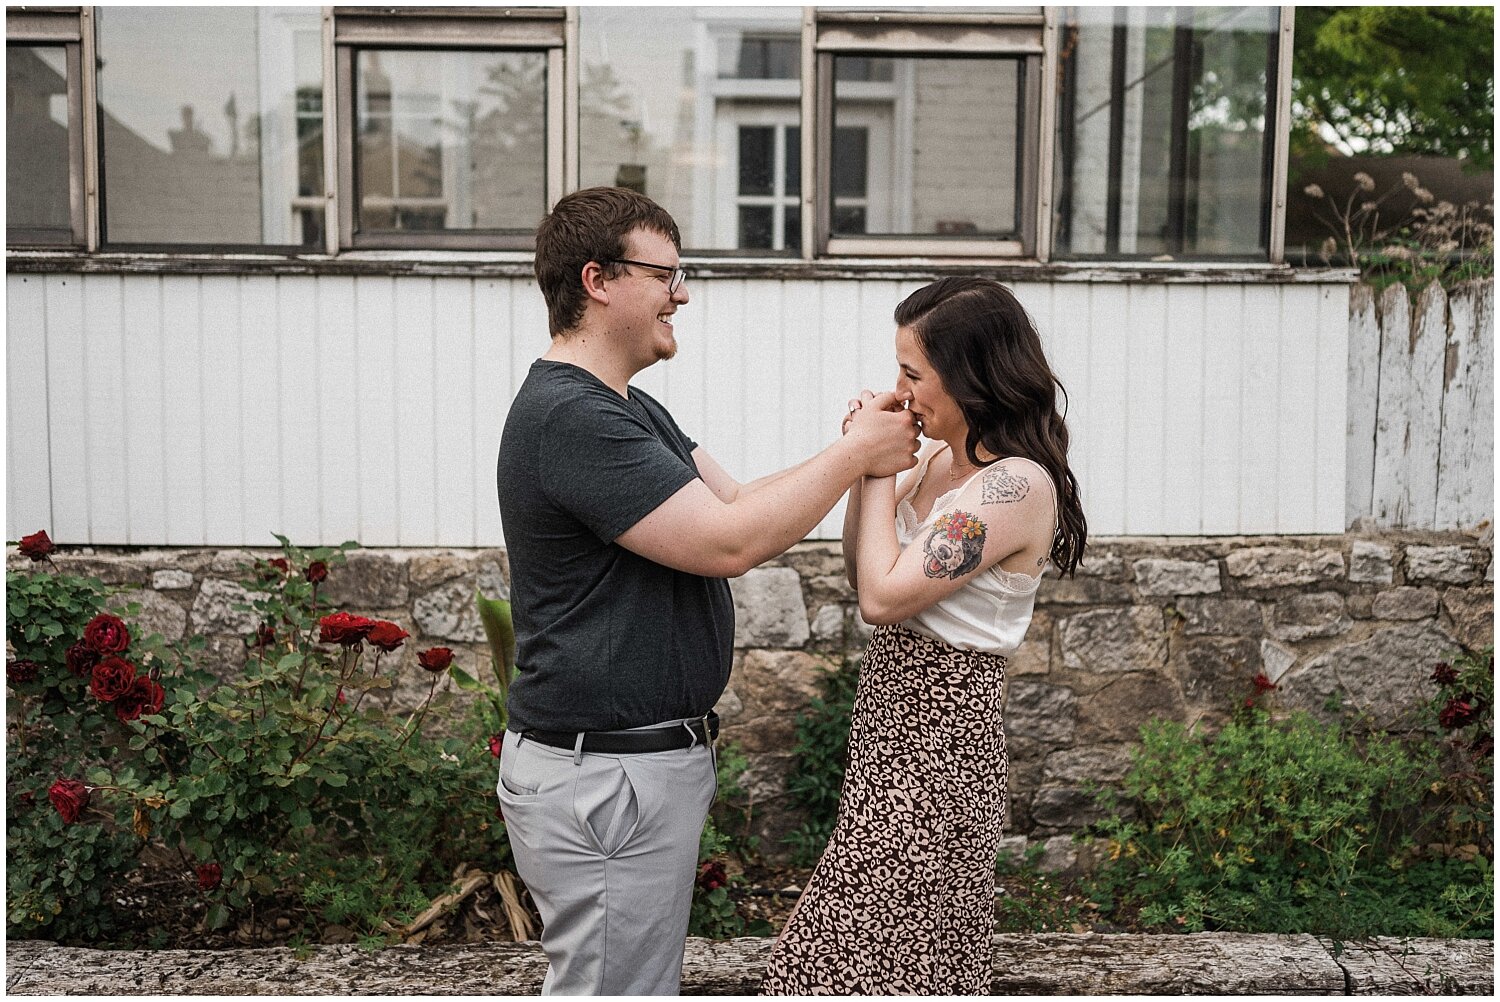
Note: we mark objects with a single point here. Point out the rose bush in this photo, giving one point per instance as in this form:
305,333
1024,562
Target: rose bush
288,781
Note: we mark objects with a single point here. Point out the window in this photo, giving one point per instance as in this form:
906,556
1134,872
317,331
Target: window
210,130
1165,139
929,143
450,126
44,128
1023,133
699,108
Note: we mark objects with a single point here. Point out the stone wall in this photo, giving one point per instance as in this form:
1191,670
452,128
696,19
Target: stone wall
1159,627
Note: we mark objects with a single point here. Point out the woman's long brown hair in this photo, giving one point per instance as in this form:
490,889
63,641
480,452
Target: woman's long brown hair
986,350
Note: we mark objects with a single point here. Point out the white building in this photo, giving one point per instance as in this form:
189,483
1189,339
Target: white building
268,268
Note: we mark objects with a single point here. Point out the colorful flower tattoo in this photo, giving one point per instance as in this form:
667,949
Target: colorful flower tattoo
954,546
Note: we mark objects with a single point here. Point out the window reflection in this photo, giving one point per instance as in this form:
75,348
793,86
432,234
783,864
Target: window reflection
450,140
36,142
926,146
1162,142
211,121
699,108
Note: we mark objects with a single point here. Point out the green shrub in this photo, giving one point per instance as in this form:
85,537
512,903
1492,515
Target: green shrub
1292,825
819,757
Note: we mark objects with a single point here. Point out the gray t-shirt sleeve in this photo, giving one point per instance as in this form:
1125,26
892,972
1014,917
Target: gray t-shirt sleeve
604,463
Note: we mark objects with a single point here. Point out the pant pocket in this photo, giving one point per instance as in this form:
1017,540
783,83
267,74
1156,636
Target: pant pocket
605,805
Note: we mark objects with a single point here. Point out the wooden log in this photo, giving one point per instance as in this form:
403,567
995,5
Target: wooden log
1047,964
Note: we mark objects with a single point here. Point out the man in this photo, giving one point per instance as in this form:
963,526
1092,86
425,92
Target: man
621,531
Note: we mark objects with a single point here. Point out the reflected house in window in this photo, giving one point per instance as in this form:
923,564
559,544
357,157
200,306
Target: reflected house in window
211,127
36,149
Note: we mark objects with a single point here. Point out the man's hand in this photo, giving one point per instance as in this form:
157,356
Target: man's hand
885,434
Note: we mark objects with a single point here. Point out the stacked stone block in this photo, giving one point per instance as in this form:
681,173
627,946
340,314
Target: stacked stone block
1173,628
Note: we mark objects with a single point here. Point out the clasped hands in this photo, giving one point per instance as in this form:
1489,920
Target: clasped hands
886,430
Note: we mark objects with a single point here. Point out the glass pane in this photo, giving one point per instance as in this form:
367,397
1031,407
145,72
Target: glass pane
755,227
212,124
792,223
794,160
702,105
757,166
851,162
451,140
1162,139
759,57
956,171
849,220
36,140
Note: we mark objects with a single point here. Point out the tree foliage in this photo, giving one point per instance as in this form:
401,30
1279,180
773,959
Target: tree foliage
1397,80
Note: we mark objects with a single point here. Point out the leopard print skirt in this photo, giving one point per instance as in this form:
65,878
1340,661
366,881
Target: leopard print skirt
902,901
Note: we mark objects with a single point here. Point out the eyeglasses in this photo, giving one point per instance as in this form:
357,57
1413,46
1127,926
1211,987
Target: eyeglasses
678,274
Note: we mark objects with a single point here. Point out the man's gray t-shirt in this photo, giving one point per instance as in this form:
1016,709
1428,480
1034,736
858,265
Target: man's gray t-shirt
605,639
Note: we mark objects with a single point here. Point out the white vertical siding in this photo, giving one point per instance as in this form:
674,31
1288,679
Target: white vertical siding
217,410
28,487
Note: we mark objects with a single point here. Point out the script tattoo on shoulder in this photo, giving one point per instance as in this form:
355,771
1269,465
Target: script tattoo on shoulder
1000,486
954,546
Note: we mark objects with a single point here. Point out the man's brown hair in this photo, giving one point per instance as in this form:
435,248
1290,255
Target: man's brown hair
589,225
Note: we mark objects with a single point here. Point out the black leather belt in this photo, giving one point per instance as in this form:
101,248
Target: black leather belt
699,731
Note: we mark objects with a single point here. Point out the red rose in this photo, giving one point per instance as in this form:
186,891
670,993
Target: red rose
497,742
435,659
387,636
342,628
1263,684
17,672
316,571
82,658
339,699
70,797
111,678
265,636
711,876
37,545
1444,674
143,698
106,634
210,875
280,563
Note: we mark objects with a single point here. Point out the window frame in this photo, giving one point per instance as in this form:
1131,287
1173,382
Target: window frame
1033,35
901,34
1274,158
442,29
62,27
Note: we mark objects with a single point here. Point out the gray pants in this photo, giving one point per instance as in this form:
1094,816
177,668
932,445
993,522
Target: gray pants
608,847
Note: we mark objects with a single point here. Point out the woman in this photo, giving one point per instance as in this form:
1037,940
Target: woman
902,900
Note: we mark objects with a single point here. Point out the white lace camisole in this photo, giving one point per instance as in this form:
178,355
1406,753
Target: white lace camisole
991,612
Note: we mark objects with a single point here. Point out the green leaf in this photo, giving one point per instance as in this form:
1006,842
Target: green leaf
464,680
500,630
